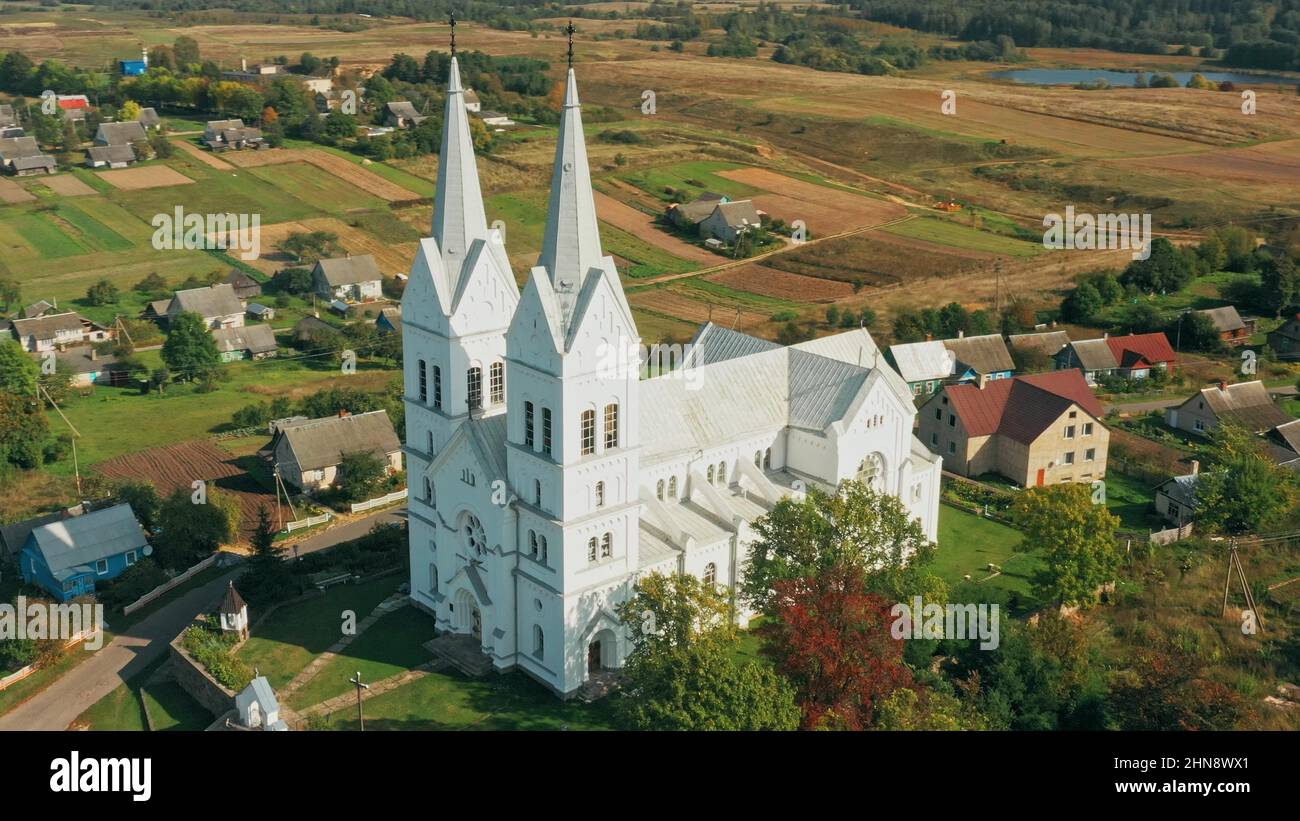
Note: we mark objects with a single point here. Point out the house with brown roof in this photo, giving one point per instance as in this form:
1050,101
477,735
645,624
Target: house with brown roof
1039,429
985,357
308,452
1233,330
1134,356
1247,404
1036,351
245,286
351,279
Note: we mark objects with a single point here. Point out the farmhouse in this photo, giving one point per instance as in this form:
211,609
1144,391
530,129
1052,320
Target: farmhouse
925,366
91,368
245,286
729,219
314,330
402,114
74,106
217,304
1233,330
351,279
1285,340
70,556
1247,404
308,453
496,118
691,214
232,135
245,342
1175,498
1040,429
472,103
149,119
110,156
50,332
1037,351
120,133
21,156
30,166
983,357
1130,357
544,480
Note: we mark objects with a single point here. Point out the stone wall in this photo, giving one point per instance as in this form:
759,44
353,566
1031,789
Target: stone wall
194,679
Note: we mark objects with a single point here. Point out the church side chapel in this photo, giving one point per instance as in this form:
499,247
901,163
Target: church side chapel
544,482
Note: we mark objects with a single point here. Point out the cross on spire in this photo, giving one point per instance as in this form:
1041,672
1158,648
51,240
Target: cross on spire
453,34
570,30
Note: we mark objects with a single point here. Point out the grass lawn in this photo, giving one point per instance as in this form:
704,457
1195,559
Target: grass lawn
692,177
449,701
389,647
968,543
1131,499
38,681
294,635
170,707
947,232
109,418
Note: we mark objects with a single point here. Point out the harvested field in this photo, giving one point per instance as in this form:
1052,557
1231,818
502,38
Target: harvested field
1272,163
670,303
760,279
878,259
11,193
345,170
67,185
177,466
641,226
824,210
142,177
202,154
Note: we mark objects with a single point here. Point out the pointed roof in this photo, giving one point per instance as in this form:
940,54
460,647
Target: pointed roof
458,216
233,603
571,244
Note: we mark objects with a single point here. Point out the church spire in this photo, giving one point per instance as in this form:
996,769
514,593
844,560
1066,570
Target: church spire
571,245
458,217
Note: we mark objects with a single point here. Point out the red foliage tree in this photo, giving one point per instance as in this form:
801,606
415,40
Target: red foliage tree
832,641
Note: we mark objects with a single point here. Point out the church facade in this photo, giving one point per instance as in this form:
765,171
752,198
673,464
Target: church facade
546,475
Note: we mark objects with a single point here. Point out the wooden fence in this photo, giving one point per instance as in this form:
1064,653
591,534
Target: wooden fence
310,521
380,501
170,584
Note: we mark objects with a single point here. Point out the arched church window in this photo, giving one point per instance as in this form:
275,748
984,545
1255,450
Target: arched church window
428,490
710,574
437,387
424,381
474,385
659,490
591,549
541,546
588,432
498,383
475,540
672,487
611,426
722,473
600,494
433,577
528,424
607,545
871,471
767,459
546,431
532,543
711,469
539,641
758,458
537,492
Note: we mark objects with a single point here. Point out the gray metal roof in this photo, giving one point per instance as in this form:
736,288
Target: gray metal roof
713,344
922,361
321,443
1246,403
72,546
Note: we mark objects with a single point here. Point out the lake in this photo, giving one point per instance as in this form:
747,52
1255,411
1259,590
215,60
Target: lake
1072,76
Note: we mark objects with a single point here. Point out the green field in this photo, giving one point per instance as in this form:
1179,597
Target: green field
687,177
309,184
968,543
946,232
1131,500
390,646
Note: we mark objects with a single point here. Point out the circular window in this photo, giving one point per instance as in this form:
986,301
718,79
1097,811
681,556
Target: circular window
871,471
568,166
474,538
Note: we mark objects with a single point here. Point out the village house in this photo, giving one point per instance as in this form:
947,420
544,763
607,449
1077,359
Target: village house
70,556
1037,351
88,367
74,106
50,332
1284,340
120,133
259,311
349,279
22,157
308,453
925,366
472,103
496,119
217,304
149,119
1039,429
245,286
1233,330
389,321
729,219
689,215
110,156
402,114
31,166
313,330
1247,404
245,342
984,358
1175,498
232,135
1134,356
261,74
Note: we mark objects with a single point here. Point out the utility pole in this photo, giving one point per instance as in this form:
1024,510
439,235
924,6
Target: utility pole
360,715
1234,563
76,467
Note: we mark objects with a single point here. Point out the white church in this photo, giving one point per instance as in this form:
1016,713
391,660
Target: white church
546,476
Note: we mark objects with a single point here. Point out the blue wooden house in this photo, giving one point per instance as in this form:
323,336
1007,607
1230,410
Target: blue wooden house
70,556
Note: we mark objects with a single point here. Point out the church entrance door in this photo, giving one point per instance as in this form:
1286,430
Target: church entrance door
476,623
593,657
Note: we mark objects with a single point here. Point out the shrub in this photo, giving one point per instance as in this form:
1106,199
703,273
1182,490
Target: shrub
212,649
